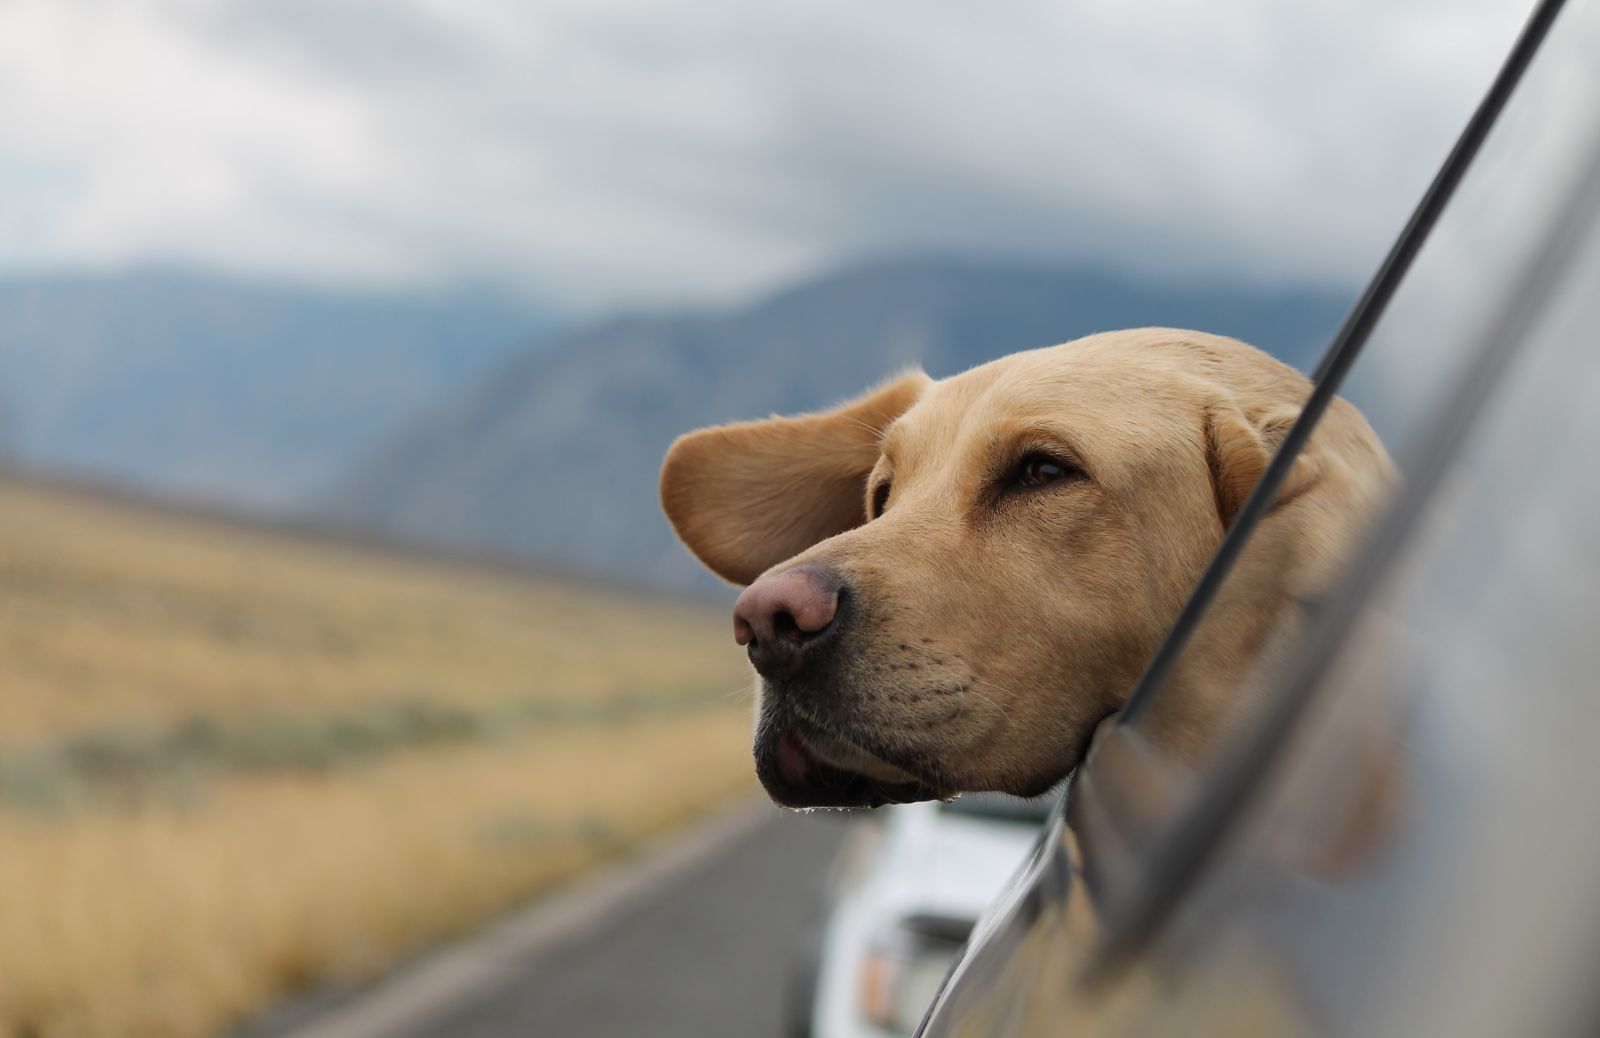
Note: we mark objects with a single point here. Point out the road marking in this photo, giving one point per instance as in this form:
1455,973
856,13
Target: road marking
423,991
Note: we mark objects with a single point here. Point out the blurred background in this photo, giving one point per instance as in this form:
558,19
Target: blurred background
339,346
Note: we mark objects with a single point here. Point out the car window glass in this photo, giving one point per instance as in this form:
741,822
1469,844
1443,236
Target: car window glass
1471,678
1476,663
1457,280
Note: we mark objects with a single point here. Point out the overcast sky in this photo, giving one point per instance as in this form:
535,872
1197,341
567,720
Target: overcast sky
615,152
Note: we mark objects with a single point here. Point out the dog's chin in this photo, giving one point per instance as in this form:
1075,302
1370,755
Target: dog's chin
801,767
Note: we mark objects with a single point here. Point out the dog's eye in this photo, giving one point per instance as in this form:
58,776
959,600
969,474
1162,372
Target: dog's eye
1037,470
880,499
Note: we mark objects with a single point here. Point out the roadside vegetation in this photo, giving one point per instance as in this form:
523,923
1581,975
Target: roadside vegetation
235,762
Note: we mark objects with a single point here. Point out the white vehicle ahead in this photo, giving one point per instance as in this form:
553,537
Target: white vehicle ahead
909,885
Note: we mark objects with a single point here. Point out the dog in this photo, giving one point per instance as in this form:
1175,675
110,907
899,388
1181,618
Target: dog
950,583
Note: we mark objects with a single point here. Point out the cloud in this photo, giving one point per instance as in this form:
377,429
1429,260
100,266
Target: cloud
608,152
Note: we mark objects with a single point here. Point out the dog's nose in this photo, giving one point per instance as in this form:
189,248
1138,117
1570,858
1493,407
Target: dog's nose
780,617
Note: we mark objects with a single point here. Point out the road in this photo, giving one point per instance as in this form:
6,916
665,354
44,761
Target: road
698,940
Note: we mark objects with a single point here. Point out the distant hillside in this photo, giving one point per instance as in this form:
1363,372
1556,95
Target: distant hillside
229,390
8,431
554,456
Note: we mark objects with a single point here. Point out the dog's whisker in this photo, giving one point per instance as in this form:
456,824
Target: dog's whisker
876,431
985,696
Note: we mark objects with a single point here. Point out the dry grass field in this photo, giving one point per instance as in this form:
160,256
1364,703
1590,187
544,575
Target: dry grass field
234,762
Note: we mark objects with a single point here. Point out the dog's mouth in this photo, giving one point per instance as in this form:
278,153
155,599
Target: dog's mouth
801,766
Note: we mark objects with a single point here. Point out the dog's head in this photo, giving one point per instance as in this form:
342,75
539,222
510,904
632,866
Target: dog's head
951,583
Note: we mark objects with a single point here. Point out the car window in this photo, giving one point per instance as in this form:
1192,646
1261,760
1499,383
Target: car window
1448,724
1503,284
1461,707
1397,372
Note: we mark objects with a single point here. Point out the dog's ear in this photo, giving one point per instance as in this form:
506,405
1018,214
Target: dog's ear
746,496
1238,449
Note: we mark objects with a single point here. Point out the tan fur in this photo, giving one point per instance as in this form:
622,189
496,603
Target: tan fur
998,627
745,497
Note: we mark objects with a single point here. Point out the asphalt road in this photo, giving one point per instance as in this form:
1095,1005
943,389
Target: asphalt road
707,954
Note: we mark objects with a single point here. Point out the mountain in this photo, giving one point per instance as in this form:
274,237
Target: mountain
554,455
228,390
8,432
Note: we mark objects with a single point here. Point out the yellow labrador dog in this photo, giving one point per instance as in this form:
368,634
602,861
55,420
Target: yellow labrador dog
950,583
